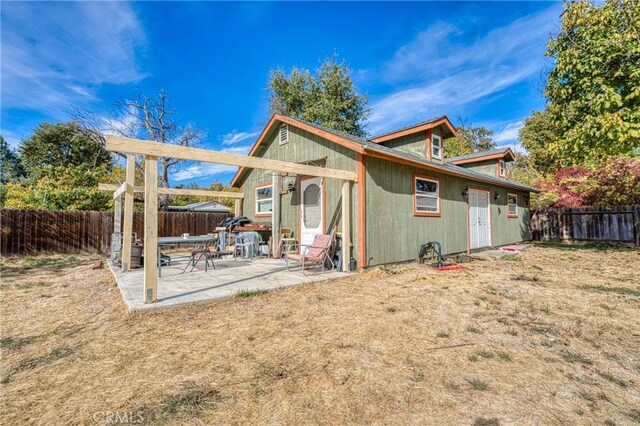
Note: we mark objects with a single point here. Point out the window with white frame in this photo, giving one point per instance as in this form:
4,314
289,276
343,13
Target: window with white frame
427,195
503,169
283,135
264,200
436,147
512,205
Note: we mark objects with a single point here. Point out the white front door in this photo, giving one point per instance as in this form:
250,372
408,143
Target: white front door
479,219
311,210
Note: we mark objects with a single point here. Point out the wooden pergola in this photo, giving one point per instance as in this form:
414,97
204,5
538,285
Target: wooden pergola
152,150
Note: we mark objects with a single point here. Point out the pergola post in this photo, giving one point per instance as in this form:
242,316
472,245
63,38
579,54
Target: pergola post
117,215
346,225
150,229
128,213
275,215
237,203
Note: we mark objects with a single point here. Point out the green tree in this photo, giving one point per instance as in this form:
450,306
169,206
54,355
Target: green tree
537,136
593,91
62,188
469,139
10,166
61,145
328,98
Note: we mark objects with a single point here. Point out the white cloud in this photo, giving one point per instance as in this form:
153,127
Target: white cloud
236,137
508,133
207,170
507,136
438,71
13,139
57,54
202,170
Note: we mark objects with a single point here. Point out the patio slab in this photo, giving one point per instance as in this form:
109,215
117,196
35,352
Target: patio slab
176,288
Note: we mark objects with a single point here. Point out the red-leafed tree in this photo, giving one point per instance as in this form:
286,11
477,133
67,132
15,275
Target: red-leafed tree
615,182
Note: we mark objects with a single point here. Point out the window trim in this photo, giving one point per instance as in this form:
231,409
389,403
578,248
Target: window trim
417,176
280,141
439,138
502,168
512,215
255,204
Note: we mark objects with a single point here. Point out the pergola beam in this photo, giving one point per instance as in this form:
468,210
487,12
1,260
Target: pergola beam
121,190
136,146
176,191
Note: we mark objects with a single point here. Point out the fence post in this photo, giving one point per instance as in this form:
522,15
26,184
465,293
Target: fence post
636,225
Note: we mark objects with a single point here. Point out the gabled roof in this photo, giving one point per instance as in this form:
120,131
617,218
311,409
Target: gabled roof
369,147
482,156
415,128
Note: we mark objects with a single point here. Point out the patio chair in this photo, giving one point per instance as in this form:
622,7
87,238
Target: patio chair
286,241
316,254
206,251
247,245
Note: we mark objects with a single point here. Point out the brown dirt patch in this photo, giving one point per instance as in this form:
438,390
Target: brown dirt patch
540,340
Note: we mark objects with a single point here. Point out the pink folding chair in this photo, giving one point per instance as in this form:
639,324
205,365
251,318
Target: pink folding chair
316,253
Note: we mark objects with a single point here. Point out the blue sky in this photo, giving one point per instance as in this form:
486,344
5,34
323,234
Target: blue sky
483,61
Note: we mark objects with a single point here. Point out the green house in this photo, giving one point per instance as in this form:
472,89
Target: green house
406,192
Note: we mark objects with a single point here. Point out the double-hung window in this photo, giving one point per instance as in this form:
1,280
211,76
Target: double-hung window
503,169
512,205
264,200
436,147
426,193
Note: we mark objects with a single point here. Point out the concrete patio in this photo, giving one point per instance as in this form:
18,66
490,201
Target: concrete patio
176,288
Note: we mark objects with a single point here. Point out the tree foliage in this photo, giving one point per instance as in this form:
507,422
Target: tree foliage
536,136
61,188
10,167
615,182
469,140
61,144
183,200
328,97
593,91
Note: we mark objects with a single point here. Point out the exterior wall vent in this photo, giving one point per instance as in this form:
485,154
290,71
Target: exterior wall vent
283,136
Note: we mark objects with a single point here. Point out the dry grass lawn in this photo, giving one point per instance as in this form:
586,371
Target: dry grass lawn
549,337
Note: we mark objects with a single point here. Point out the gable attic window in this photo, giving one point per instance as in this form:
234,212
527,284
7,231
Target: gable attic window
426,196
436,147
283,135
264,200
503,169
512,205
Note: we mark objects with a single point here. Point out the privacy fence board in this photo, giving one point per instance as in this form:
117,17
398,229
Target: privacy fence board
40,231
614,223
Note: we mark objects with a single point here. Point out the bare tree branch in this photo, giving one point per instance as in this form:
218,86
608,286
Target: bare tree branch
144,118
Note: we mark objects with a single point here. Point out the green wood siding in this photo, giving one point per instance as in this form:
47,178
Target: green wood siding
415,144
394,234
487,167
304,147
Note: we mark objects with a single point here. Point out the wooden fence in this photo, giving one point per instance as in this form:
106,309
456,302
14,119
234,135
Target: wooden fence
40,231
606,224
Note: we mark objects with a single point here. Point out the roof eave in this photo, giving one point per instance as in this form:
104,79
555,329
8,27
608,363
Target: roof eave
386,155
444,120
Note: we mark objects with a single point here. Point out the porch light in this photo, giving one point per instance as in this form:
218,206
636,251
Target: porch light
465,192
291,187
496,196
